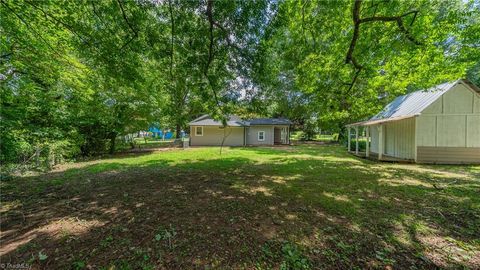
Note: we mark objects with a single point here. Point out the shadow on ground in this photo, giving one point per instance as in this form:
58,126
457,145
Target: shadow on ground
309,206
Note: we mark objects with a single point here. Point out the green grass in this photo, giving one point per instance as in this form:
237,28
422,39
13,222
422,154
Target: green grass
297,136
145,143
301,207
326,137
152,141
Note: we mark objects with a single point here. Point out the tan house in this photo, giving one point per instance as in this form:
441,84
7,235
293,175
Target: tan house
206,131
437,125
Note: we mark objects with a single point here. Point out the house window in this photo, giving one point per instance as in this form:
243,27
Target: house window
261,136
198,131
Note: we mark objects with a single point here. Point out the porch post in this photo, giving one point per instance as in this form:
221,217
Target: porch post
380,142
288,134
349,135
367,154
356,140
415,139
244,136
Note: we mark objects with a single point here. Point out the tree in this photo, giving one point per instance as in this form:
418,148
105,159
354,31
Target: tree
371,52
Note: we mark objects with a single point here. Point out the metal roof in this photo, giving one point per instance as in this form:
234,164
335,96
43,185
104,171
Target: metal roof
235,121
412,104
269,121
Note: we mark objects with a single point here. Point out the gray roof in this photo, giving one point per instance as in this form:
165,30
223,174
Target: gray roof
235,121
413,104
269,121
206,120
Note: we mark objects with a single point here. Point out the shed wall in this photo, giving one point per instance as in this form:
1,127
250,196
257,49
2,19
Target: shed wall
448,155
451,121
399,138
374,138
449,129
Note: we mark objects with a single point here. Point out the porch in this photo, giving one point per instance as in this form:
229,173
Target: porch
368,140
281,135
375,156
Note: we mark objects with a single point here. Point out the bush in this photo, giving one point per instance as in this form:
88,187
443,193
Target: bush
362,145
18,154
58,151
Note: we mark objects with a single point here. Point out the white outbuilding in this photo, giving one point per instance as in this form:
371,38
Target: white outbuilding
437,125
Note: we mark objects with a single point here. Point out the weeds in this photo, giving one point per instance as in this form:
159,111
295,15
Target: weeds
167,234
293,258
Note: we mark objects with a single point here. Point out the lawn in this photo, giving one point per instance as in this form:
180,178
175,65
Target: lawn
299,207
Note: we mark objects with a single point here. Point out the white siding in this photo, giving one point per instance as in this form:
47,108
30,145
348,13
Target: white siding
451,130
458,100
426,130
374,138
473,131
213,136
435,108
399,138
476,104
451,121
252,135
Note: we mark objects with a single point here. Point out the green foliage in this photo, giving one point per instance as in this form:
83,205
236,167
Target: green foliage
81,74
362,145
78,265
293,258
167,234
77,75
301,62
42,256
106,242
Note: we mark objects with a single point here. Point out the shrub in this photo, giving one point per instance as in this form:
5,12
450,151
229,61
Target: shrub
362,145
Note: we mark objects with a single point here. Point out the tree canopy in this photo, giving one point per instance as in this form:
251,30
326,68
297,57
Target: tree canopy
75,75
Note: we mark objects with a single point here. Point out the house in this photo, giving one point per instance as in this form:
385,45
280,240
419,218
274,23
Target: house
437,125
261,131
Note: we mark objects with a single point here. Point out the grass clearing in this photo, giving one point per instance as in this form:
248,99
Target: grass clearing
299,207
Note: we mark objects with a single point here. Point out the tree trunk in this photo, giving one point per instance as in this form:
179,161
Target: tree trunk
113,136
178,130
37,156
341,133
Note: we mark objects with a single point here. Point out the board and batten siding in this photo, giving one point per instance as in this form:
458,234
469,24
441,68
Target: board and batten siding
374,138
448,131
399,138
213,136
252,135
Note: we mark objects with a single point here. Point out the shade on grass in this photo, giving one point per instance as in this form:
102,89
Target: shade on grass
304,206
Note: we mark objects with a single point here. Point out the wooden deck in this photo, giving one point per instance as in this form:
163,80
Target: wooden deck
386,158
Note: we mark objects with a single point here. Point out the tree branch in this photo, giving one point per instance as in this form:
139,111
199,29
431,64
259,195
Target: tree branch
354,80
172,35
55,19
356,31
125,18
357,21
210,48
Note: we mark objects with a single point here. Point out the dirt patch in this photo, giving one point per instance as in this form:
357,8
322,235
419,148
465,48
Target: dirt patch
239,213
